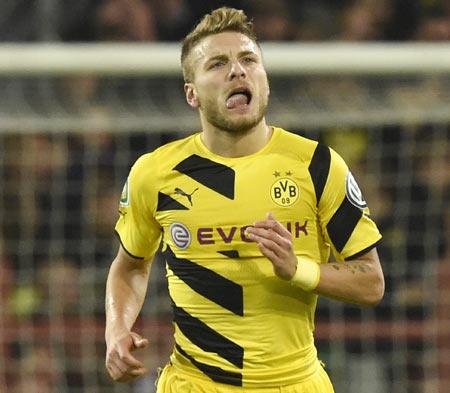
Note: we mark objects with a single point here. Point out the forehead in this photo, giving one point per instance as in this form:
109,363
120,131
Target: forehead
227,43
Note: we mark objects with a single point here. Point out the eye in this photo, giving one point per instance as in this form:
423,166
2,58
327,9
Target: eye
216,64
249,60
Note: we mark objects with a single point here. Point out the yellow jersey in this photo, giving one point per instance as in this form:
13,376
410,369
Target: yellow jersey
235,321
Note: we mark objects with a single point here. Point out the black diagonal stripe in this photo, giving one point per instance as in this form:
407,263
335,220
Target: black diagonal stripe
215,373
207,338
217,177
319,168
342,224
166,202
230,253
207,283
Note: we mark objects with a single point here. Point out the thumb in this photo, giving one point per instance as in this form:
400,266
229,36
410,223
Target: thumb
270,216
139,341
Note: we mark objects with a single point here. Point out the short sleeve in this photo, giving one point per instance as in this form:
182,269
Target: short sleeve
139,232
343,213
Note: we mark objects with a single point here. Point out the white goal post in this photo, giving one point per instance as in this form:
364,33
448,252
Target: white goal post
139,86
280,58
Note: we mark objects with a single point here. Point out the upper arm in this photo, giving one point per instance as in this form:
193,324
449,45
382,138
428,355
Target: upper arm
125,262
129,270
137,228
372,259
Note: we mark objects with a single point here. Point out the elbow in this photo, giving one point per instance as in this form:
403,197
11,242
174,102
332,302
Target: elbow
376,292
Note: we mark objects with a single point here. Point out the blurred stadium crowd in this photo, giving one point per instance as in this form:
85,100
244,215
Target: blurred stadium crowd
59,194
170,20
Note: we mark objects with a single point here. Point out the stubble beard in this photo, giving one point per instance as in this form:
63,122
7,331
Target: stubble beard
242,125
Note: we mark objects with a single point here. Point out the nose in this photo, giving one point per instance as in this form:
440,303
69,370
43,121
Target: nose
237,70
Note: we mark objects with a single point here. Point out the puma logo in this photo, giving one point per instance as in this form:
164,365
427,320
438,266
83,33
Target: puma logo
179,191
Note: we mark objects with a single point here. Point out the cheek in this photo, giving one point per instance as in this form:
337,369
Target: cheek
209,95
263,84
264,90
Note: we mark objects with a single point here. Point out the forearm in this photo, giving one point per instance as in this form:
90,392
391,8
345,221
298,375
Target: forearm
125,293
359,281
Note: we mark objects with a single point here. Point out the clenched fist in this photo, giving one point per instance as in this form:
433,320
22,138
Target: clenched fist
120,363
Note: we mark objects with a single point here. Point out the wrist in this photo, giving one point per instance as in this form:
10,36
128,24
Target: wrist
115,332
307,275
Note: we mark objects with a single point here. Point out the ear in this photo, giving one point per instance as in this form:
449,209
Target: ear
268,86
191,95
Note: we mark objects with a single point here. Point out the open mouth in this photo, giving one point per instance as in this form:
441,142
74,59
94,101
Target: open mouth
239,97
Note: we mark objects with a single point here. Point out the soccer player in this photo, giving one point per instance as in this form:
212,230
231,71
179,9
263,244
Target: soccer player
248,214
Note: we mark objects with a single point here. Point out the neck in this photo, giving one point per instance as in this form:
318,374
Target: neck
227,144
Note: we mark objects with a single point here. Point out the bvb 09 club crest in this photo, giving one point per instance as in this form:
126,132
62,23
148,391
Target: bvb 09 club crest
284,192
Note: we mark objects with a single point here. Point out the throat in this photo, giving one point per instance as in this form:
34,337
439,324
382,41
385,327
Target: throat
237,145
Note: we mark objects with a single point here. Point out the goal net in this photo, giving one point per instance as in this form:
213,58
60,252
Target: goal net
74,118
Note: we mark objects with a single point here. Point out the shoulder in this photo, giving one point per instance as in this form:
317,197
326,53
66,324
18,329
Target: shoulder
164,157
309,148
296,145
175,148
295,138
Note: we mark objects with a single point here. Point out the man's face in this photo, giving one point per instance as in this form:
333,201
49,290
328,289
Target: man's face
230,84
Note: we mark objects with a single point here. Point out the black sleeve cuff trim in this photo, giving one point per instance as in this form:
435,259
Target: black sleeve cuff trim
362,252
129,253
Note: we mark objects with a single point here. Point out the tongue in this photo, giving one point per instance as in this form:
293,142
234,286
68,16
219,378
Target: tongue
237,100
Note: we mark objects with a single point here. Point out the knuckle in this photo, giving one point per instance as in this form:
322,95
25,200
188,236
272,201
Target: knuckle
109,361
116,377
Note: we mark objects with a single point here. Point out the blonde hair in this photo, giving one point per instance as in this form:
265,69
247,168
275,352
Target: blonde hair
218,21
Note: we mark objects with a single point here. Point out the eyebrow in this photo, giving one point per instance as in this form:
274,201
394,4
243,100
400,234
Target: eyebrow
246,53
225,57
216,57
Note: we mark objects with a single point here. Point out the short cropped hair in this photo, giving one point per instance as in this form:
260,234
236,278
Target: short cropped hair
218,21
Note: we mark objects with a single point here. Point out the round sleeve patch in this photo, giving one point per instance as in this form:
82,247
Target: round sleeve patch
353,192
125,196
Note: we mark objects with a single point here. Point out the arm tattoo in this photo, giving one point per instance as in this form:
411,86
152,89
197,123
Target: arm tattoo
363,267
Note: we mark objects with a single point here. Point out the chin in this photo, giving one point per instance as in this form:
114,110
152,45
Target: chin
235,121
243,125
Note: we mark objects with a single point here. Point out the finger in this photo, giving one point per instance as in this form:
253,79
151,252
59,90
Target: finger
124,354
275,226
124,374
278,265
115,361
131,361
282,242
269,244
121,366
114,371
138,372
132,374
271,255
139,341
270,240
